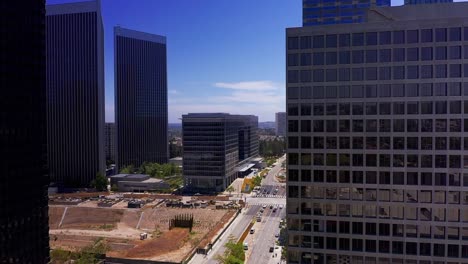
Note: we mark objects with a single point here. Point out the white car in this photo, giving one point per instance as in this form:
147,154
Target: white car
264,206
281,207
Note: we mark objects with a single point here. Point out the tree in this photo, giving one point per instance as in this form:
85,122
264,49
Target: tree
114,188
230,189
127,170
234,253
100,183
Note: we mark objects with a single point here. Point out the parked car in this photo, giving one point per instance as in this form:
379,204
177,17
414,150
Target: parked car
272,249
252,231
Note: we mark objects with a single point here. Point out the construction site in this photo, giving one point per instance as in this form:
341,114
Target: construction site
162,228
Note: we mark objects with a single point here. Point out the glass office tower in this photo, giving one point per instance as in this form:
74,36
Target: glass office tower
378,138
140,97
75,92
24,232
326,12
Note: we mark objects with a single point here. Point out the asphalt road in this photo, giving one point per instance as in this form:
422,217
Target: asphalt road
235,230
264,236
258,252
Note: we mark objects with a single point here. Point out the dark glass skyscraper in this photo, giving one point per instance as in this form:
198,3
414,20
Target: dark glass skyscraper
214,145
325,12
75,92
140,97
24,230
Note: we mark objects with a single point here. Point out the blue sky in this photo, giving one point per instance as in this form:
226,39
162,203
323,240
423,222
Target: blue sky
222,55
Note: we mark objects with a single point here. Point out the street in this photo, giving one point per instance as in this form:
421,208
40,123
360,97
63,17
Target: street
264,236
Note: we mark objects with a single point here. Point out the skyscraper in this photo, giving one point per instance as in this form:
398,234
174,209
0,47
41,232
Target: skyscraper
24,233
280,124
378,138
110,141
326,12
75,92
214,145
140,97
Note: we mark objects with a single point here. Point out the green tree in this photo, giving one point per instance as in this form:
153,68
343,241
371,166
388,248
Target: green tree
100,183
114,188
127,170
230,189
234,253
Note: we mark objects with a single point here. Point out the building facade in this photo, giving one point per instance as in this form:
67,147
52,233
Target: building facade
110,141
75,92
326,12
378,138
214,145
418,2
140,97
24,232
280,124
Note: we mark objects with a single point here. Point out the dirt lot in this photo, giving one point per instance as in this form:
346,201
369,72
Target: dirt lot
121,229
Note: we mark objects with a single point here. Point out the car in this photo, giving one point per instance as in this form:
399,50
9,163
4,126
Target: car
271,206
264,206
276,235
281,207
272,249
261,210
246,246
252,231
274,210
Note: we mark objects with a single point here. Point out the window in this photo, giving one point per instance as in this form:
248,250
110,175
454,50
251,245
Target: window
399,72
412,72
331,58
371,75
385,55
371,56
344,74
345,57
426,72
440,34
358,39
455,34
426,35
385,108
426,53
441,53
318,75
357,91
412,54
455,70
306,42
293,76
399,54
293,43
293,59
426,89
455,52
385,37
371,38
357,74
399,37
318,58
398,90
318,42
385,90
344,40
440,89
358,56
412,36
306,59
331,41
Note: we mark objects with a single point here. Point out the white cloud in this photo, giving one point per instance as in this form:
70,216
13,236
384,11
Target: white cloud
244,99
173,92
248,85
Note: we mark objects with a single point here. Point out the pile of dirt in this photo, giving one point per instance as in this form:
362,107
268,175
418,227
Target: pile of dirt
169,241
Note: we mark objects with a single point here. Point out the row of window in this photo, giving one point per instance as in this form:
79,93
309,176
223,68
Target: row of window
375,125
381,73
375,56
379,160
295,257
372,177
381,108
380,229
381,90
381,246
378,38
381,195
383,211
